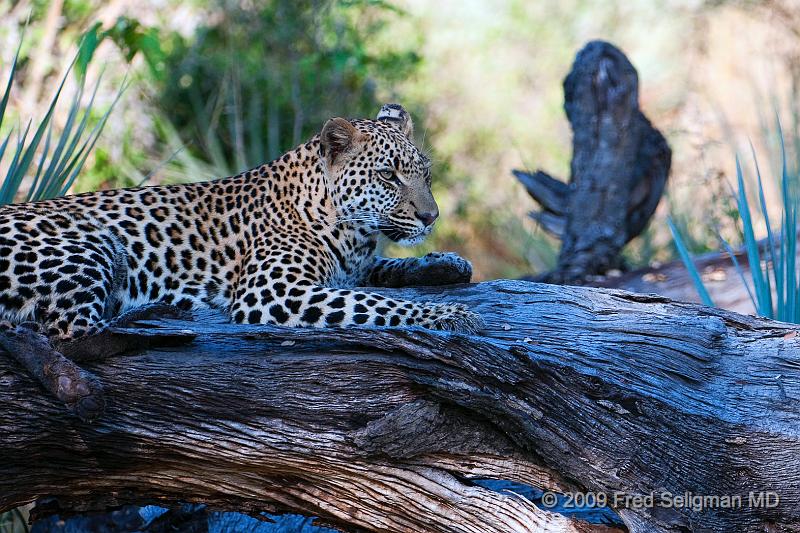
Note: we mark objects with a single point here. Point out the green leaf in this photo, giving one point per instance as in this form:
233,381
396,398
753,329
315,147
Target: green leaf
150,46
88,45
7,93
690,267
760,281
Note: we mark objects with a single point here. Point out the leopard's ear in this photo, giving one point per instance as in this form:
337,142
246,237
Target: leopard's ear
337,137
398,117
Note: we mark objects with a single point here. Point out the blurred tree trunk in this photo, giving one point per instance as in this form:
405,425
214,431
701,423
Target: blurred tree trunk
384,429
620,165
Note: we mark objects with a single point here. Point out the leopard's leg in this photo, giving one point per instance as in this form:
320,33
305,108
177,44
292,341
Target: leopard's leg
67,279
43,347
308,305
68,275
51,361
102,341
436,268
78,290
280,289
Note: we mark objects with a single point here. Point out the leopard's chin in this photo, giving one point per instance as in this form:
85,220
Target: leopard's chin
403,238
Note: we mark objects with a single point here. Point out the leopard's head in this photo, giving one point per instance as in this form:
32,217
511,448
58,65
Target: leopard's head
380,179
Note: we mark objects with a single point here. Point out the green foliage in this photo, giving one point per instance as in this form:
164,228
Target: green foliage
131,37
773,263
52,158
783,251
265,76
686,257
763,294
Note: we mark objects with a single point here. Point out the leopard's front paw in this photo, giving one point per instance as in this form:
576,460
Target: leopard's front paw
452,317
445,268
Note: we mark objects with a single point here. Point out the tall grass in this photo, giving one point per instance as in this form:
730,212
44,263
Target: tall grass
773,264
52,157
683,252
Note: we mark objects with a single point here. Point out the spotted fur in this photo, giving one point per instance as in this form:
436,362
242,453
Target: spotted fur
284,243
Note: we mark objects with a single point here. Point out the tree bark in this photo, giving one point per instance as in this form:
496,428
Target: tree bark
568,389
620,165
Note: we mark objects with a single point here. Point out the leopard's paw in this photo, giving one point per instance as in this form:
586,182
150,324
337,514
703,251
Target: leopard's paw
445,268
452,317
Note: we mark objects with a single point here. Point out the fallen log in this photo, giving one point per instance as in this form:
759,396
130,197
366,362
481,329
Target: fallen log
569,389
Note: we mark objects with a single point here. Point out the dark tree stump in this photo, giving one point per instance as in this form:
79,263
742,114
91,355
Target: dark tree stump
620,165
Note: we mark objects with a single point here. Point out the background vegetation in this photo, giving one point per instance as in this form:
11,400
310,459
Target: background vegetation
216,86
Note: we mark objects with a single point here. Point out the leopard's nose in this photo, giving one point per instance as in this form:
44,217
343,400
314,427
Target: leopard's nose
427,217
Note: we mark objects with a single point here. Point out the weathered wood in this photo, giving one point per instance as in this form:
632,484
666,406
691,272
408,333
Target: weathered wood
61,377
552,196
379,430
620,165
54,366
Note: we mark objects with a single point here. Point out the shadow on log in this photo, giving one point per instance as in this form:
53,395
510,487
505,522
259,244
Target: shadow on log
620,165
568,389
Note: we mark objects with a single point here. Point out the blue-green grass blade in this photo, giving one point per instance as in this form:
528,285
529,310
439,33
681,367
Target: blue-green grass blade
790,231
738,267
88,145
690,266
7,93
61,152
776,267
791,260
3,192
763,295
25,161
40,166
4,145
13,179
71,139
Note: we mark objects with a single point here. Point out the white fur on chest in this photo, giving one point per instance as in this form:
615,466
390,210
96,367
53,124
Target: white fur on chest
354,273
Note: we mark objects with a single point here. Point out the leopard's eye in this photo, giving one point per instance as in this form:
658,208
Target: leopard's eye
389,175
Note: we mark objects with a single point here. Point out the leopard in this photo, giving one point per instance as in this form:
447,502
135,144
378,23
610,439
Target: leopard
289,243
